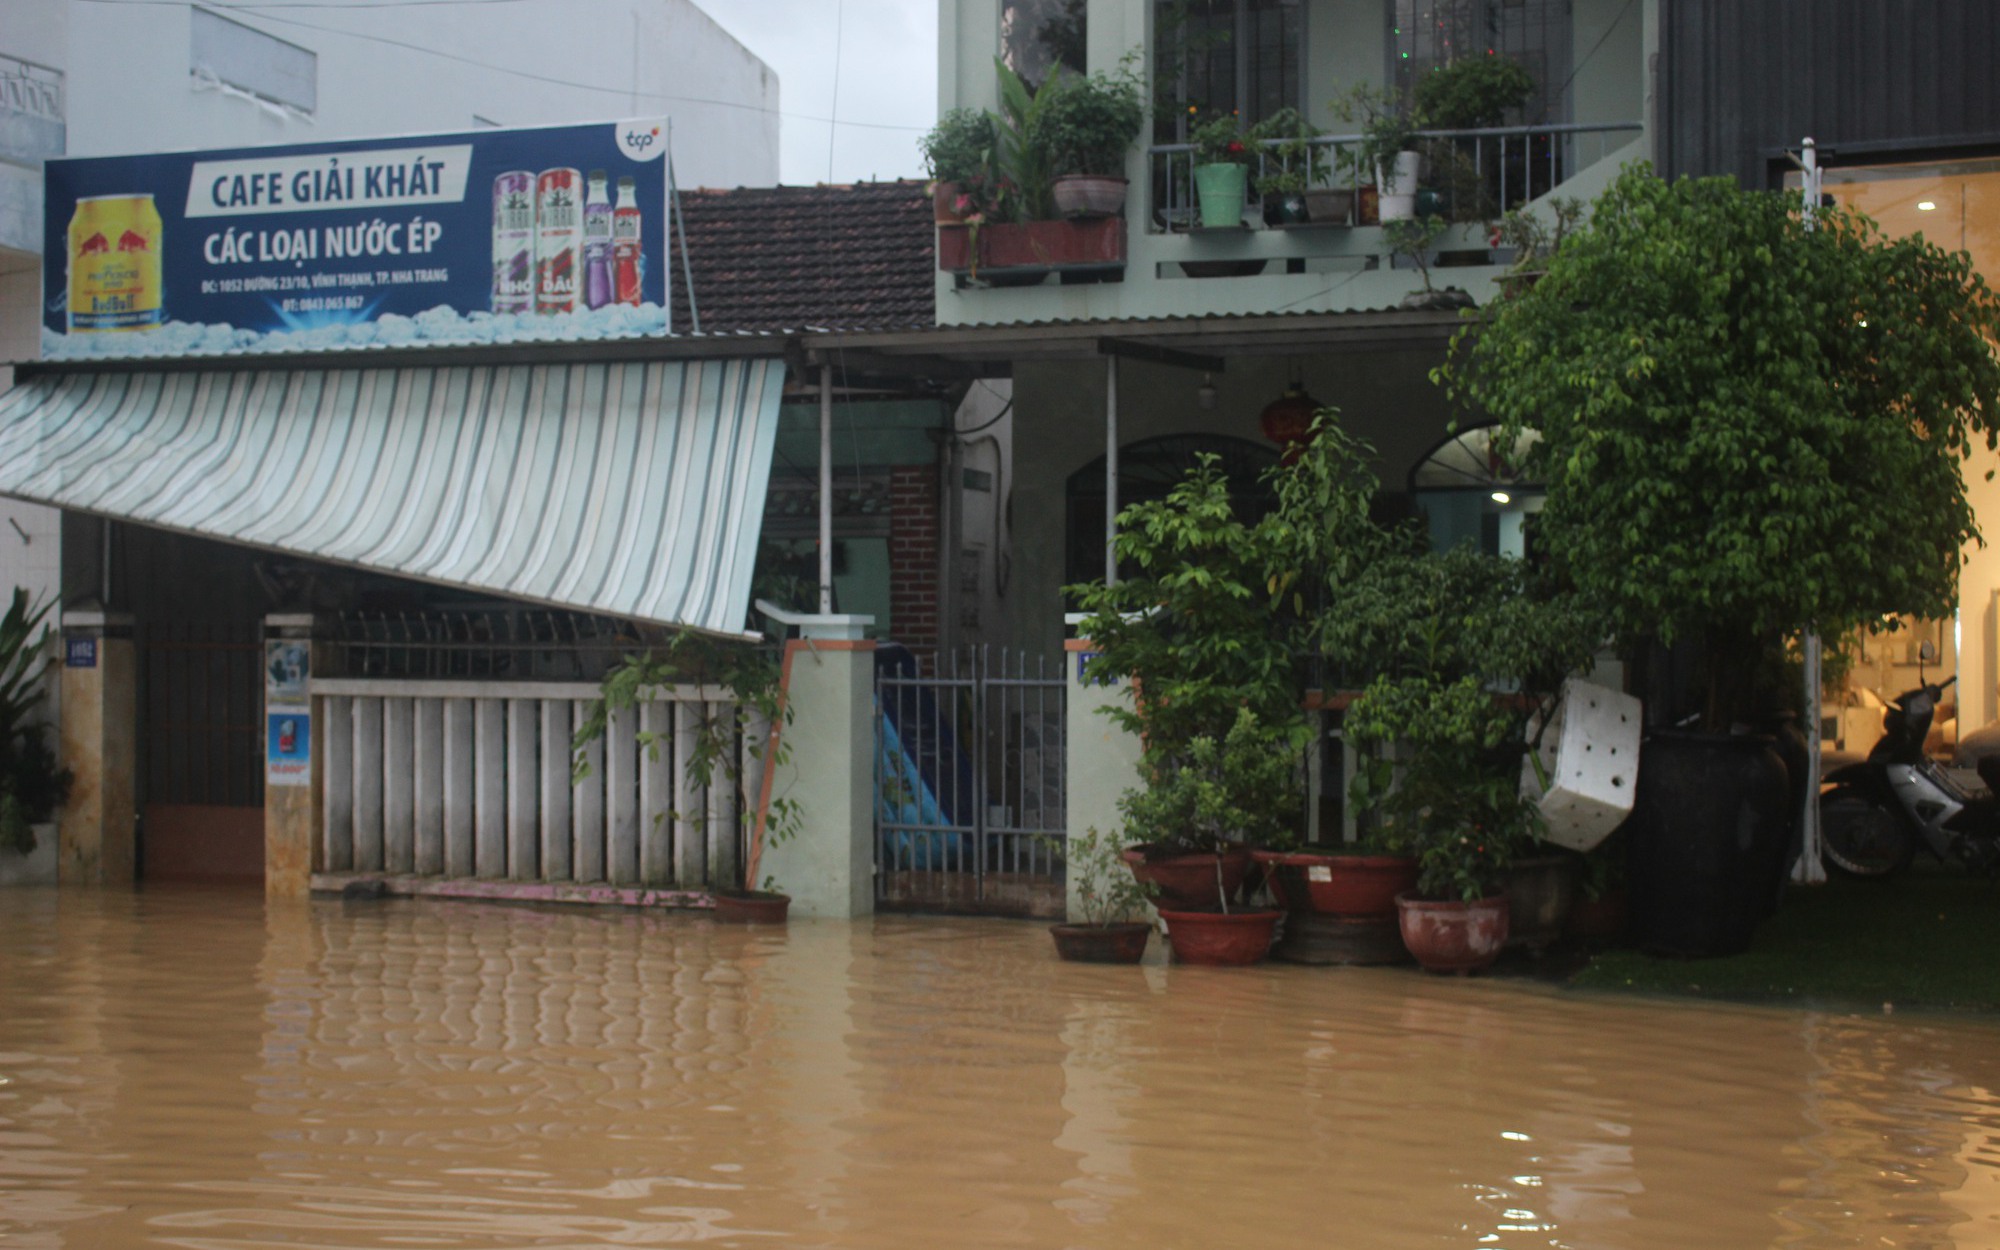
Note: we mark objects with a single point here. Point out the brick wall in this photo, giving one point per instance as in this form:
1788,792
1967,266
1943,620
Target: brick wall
913,556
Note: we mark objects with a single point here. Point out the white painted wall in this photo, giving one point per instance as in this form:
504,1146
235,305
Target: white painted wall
131,91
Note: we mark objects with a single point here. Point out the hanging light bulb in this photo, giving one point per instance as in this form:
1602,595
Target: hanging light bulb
1205,393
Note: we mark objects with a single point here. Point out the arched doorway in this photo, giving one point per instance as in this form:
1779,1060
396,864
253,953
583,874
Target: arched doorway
1147,470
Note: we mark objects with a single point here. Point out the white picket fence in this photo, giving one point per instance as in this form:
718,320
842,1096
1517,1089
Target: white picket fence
472,780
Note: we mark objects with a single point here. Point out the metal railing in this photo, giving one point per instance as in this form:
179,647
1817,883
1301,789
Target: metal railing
1475,174
496,643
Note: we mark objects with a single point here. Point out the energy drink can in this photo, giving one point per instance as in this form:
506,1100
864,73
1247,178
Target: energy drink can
114,264
514,242
558,240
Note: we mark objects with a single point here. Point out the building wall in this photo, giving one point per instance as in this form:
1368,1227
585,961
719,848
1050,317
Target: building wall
131,90
914,602
1741,80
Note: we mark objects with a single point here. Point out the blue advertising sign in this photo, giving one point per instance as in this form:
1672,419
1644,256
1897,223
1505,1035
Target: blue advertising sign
288,747
494,236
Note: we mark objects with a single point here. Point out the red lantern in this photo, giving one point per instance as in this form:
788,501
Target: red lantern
1288,420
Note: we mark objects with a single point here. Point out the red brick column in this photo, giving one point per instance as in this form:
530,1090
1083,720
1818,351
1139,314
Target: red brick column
913,556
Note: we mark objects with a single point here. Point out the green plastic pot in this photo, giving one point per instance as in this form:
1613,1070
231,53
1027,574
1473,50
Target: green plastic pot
1221,189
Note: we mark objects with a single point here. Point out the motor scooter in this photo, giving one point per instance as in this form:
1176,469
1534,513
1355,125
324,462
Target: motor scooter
1874,816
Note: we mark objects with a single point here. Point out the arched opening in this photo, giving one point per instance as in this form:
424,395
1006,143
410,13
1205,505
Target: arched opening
1468,492
1147,470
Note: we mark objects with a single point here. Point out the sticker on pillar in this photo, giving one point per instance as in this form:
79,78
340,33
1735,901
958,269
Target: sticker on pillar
286,667
288,755
79,652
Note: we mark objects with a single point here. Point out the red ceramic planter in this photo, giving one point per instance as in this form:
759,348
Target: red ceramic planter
1338,885
1451,936
751,907
1101,943
1188,881
1219,940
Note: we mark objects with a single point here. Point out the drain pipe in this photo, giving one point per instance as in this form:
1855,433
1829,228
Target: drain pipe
1111,470
825,490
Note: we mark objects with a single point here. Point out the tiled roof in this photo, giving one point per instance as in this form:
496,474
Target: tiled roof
786,258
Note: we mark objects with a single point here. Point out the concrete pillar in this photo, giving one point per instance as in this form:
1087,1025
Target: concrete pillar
293,810
828,864
1103,759
99,745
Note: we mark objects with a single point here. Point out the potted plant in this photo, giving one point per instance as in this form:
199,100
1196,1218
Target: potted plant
1289,167
1472,92
1535,236
32,783
1464,649
1111,903
1412,239
1469,93
1355,880
1385,156
1084,125
1222,157
1694,360
1201,809
1440,776
1011,234
1196,819
957,150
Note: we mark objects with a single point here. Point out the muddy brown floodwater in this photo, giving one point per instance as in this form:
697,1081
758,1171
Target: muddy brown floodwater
189,1068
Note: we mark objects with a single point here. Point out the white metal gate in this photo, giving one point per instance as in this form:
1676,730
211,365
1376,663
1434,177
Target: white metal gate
472,779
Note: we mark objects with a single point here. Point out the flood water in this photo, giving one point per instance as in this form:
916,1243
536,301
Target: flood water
189,1068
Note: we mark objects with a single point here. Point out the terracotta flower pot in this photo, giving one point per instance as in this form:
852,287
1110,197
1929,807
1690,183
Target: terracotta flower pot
1446,935
751,906
1339,885
1220,940
1330,205
944,204
1101,943
1188,880
1089,195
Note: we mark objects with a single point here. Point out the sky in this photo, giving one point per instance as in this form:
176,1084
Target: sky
882,100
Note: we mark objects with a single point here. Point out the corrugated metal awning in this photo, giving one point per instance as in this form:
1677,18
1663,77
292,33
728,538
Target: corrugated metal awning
630,489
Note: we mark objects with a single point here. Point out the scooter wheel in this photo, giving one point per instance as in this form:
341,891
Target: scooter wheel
1862,840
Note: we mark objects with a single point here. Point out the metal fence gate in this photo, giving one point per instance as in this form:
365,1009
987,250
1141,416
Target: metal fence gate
969,784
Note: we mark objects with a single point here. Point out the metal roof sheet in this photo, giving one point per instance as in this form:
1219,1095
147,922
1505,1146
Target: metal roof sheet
631,489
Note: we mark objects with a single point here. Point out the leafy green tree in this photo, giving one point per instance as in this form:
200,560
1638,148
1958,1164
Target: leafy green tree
1750,428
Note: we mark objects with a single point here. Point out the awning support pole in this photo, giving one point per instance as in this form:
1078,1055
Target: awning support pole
825,490
1809,870
1111,470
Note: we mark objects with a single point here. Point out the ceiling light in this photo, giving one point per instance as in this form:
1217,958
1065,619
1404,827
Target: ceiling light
1925,206
1501,496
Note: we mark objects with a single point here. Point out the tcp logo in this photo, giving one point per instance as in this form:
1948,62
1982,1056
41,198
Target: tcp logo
641,141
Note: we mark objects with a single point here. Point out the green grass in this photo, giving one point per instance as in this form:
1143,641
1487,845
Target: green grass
1929,938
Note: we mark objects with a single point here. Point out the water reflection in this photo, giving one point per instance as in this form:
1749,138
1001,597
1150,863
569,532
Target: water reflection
193,1069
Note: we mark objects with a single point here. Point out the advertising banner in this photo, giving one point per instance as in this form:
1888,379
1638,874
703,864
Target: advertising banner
493,236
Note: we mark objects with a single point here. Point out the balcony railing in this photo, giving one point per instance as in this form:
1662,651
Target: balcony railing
1474,175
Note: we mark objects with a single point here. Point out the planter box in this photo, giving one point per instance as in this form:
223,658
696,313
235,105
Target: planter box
1086,245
